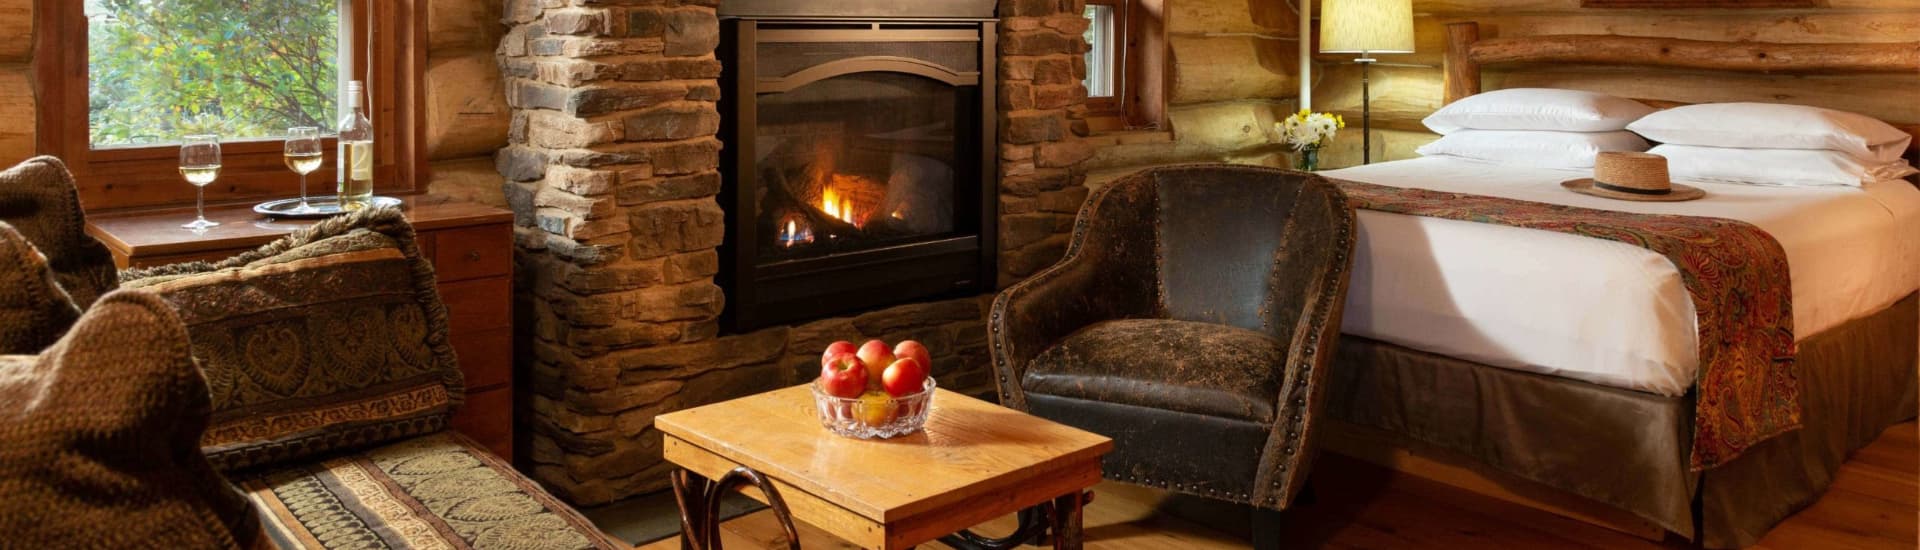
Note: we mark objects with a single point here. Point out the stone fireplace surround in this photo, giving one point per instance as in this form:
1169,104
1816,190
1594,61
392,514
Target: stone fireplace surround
612,172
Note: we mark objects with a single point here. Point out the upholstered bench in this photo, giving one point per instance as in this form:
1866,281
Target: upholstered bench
314,372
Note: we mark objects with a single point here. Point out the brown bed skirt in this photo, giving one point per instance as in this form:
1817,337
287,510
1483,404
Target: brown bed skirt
1628,449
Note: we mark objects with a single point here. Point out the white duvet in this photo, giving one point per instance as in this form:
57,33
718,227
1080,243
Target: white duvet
1603,311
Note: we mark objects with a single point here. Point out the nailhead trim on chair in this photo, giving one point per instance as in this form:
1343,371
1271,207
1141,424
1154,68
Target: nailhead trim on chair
1295,428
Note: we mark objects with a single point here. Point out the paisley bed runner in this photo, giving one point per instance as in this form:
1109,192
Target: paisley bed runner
1747,389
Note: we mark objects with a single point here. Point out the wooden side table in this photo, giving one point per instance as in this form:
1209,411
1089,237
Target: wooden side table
974,462
471,246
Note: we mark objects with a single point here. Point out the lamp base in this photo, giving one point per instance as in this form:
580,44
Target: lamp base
1366,110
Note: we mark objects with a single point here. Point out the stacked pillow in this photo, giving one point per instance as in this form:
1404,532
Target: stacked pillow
1773,144
1538,127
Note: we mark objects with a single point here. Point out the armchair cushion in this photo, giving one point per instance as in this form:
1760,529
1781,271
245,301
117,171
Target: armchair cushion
39,198
34,311
1184,366
437,491
333,338
100,440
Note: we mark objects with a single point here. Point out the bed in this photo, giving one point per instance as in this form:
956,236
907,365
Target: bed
1565,363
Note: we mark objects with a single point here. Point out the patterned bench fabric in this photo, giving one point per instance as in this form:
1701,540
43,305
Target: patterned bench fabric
437,491
331,339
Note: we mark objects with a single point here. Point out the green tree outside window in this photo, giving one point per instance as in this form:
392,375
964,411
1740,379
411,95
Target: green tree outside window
161,69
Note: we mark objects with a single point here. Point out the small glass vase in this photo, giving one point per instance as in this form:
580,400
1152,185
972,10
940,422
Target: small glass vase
1307,160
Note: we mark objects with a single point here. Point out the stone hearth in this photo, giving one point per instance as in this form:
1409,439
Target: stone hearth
612,173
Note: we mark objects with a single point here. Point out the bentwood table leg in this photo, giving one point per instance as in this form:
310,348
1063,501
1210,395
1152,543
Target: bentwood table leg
1033,525
1066,521
690,492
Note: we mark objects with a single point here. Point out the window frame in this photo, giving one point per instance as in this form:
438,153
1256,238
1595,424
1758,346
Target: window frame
138,177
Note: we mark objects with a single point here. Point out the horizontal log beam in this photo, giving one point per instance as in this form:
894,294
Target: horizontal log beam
1700,54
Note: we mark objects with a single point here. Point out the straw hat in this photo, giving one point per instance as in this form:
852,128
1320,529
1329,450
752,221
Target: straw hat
1632,177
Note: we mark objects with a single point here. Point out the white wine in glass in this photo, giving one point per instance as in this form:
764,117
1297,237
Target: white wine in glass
304,155
200,165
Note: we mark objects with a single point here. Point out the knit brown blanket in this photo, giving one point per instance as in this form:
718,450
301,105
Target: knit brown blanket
1747,390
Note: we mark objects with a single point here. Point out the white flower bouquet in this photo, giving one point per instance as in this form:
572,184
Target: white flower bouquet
1309,130
1306,132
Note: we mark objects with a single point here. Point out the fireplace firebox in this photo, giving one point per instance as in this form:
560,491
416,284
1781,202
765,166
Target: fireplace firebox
859,159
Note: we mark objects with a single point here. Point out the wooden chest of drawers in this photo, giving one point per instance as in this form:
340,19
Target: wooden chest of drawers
471,246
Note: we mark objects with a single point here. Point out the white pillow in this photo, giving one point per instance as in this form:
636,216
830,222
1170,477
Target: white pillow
1538,109
1562,150
1775,126
1789,167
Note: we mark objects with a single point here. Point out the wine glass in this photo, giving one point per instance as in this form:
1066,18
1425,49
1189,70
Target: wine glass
303,155
200,164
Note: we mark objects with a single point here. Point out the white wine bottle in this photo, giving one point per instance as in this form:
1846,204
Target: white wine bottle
356,152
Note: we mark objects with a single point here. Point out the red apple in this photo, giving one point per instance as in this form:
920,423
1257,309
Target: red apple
904,377
842,346
909,349
843,375
876,354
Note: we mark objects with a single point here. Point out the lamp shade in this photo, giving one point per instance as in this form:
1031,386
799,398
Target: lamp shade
1366,26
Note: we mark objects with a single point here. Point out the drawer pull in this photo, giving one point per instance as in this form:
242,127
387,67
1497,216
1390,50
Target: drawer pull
473,255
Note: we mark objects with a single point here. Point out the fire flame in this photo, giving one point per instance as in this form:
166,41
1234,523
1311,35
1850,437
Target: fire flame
840,208
795,233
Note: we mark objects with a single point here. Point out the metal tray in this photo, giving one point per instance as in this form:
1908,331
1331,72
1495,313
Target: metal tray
324,206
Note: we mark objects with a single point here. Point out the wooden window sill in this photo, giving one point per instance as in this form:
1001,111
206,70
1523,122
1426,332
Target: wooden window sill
137,236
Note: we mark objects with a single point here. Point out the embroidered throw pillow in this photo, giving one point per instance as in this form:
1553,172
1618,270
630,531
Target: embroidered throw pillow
331,338
102,440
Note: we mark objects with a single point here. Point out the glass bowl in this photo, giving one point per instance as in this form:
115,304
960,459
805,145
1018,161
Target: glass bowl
870,418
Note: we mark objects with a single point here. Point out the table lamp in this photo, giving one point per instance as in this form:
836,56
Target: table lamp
1366,27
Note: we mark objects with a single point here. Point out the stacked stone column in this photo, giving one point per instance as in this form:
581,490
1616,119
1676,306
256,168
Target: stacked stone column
611,172
1043,111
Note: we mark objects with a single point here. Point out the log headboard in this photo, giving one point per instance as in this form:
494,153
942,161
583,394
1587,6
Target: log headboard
1467,53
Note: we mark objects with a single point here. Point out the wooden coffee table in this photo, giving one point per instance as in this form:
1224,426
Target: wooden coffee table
974,462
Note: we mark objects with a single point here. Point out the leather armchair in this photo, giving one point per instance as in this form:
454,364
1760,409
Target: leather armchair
1192,320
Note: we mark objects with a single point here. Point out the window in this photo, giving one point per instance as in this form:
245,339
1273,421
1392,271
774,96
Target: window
1126,64
160,70
131,77
1106,69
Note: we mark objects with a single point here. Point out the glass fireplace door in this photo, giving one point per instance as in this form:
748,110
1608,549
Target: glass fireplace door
857,162
856,166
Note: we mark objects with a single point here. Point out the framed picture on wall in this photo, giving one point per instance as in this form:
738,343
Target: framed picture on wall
1727,4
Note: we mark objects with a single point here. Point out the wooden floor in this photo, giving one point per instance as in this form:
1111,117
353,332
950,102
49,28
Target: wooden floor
1871,505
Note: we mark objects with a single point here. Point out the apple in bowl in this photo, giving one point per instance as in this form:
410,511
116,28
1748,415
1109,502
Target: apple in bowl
875,391
843,375
877,354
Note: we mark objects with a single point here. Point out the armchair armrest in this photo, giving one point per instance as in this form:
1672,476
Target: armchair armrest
1108,272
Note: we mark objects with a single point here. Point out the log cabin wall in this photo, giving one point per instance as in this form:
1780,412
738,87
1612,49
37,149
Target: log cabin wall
1233,71
466,113
1407,88
16,82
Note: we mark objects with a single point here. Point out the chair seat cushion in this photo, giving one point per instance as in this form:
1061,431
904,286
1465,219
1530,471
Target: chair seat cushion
1184,366
434,491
